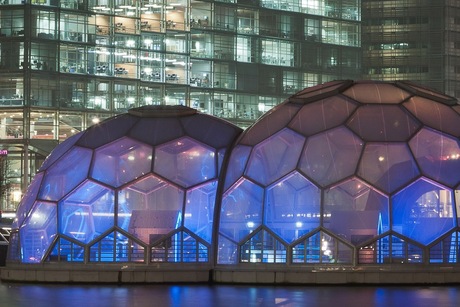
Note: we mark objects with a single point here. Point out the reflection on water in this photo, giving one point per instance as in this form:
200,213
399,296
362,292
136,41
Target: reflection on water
18,295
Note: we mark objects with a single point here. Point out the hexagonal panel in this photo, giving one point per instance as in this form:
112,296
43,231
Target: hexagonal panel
423,211
60,150
376,92
241,210
149,206
38,231
322,115
292,207
387,166
66,173
331,156
275,157
185,162
27,201
355,211
236,164
437,155
161,130
435,115
199,210
87,212
121,161
383,123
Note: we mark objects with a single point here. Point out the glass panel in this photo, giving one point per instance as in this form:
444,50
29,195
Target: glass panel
263,247
236,164
163,130
387,166
447,250
211,131
434,114
87,212
121,161
331,156
199,211
437,155
275,157
241,209
330,112
227,251
292,207
383,123
27,201
66,173
185,162
423,211
108,131
355,212
105,250
376,93
65,250
37,232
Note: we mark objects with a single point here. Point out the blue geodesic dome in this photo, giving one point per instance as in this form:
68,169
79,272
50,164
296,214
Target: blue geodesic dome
346,172
138,187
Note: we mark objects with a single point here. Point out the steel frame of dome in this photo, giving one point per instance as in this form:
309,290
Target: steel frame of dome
344,178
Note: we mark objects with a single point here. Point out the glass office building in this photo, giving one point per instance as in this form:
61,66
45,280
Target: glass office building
349,176
415,40
65,65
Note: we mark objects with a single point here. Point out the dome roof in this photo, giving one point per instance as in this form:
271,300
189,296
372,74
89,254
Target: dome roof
341,169
344,172
141,177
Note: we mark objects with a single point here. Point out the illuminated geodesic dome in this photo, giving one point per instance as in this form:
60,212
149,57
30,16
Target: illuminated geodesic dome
346,172
139,187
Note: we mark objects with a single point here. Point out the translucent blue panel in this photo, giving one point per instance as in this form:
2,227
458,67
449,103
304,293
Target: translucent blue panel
292,207
58,151
331,156
354,211
457,203
209,130
191,250
199,210
321,248
105,250
436,115
107,131
27,201
220,159
38,231
275,157
236,164
390,249
270,123
185,162
121,161
149,204
447,250
373,92
227,251
387,166
438,156
383,123
423,211
86,212
241,210
65,250
161,130
322,115
263,247
66,173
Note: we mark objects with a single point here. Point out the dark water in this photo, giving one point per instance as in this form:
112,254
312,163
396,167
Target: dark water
39,295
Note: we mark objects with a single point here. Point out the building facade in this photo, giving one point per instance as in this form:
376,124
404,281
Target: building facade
66,65
415,40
